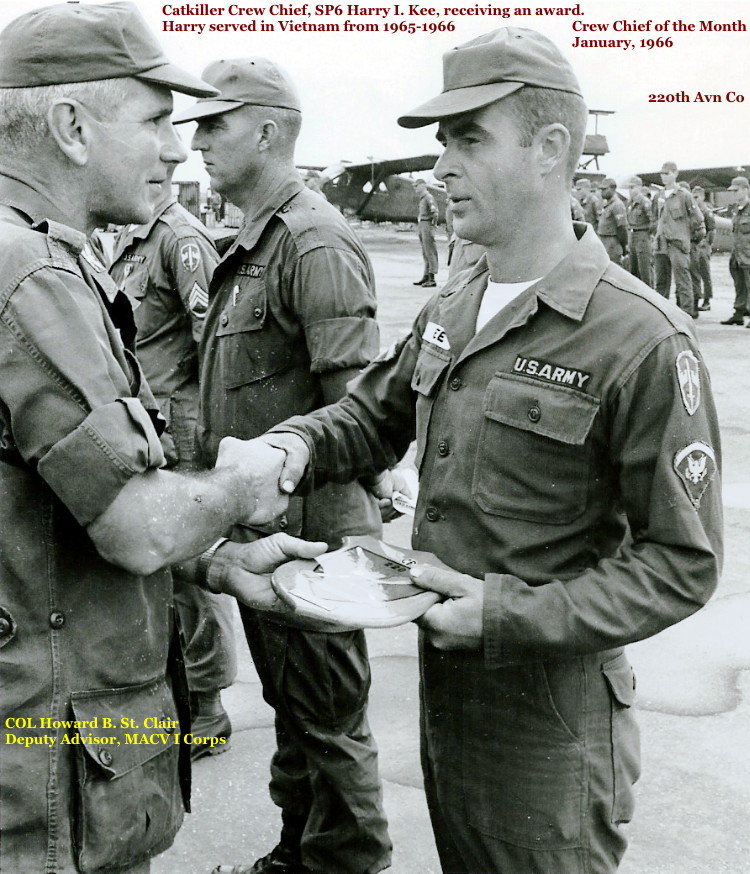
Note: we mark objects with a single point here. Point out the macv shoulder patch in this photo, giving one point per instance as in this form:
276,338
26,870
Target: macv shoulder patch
190,255
695,465
689,378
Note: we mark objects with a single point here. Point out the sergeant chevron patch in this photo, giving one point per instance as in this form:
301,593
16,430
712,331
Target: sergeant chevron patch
198,301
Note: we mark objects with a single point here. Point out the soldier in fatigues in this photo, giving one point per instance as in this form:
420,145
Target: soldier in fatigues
568,452
739,260
700,254
639,222
426,221
164,267
291,321
613,223
677,223
91,523
590,201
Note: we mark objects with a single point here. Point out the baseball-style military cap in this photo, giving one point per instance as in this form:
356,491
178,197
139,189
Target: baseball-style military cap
491,67
668,167
74,42
697,189
243,82
608,183
635,181
739,182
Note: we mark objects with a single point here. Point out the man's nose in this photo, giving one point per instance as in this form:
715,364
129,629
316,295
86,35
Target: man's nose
173,149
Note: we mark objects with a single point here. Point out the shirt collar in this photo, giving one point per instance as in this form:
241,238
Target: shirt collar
38,209
253,226
568,287
140,232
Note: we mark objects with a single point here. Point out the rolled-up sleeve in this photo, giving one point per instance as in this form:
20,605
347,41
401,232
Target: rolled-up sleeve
66,392
334,299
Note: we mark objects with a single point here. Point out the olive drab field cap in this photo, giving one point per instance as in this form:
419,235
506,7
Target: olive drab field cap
491,67
243,82
77,42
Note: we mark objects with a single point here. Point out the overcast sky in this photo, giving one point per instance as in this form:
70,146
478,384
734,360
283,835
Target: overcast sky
353,86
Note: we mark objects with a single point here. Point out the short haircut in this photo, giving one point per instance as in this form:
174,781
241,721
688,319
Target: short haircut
23,111
533,108
288,122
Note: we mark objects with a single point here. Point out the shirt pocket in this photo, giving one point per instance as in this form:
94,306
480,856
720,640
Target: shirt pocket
129,803
428,372
534,453
249,353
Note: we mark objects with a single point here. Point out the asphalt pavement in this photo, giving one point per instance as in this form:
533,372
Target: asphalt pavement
693,799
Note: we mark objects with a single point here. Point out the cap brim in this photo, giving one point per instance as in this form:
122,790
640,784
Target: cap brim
458,101
204,109
178,80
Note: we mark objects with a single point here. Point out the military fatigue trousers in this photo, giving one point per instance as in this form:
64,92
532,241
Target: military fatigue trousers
324,774
675,261
545,787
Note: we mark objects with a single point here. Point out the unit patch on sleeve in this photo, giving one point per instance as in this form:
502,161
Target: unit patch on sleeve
549,372
695,465
190,255
198,301
689,377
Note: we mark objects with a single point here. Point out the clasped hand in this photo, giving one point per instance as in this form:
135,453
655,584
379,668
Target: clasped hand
268,469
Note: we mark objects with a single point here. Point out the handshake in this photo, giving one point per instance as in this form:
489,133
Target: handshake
269,469
263,473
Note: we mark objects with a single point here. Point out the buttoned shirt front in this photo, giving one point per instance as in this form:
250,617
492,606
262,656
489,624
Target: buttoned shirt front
580,411
292,308
677,220
82,639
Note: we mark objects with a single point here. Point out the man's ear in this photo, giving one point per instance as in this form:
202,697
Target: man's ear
267,133
70,129
552,143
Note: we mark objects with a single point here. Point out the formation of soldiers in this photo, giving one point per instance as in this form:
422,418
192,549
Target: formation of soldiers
660,232
669,230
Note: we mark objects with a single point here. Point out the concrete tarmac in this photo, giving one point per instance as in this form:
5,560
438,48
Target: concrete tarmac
693,799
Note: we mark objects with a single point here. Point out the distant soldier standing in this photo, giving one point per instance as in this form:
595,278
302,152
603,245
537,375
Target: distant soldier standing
739,261
426,221
164,267
613,223
678,222
700,254
589,200
639,222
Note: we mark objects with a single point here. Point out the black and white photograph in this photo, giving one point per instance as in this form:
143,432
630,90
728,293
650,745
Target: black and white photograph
373,438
